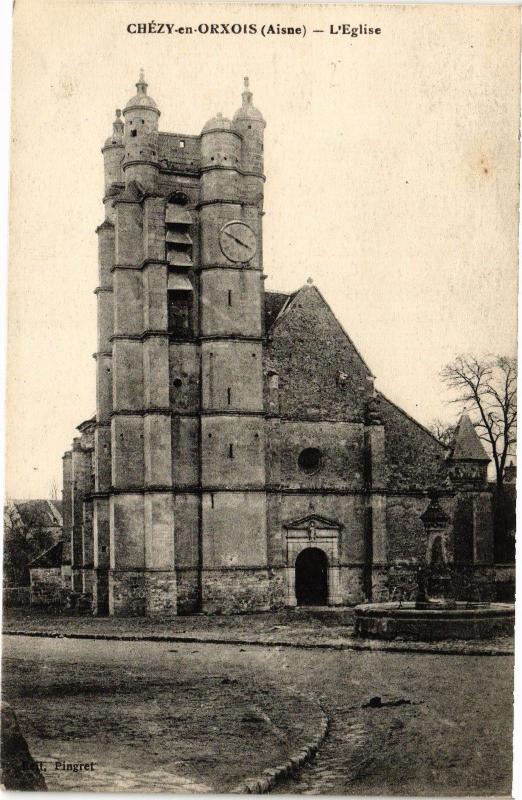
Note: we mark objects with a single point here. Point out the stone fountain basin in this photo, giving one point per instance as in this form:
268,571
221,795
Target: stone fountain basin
459,621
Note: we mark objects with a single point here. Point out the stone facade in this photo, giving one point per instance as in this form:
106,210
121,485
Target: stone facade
239,449
50,576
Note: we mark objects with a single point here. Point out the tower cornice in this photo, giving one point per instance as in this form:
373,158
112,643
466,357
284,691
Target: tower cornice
237,202
140,162
242,267
112,146
222,131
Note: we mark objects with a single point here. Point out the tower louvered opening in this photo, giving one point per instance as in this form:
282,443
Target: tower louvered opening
178,239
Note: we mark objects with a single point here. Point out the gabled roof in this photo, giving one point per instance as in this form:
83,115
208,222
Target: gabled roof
285,305
38,513
466,443
381,396
274,302
50,558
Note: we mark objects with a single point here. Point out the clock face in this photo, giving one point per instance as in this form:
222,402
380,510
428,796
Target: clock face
238,241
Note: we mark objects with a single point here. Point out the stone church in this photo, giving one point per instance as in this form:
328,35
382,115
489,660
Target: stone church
240,458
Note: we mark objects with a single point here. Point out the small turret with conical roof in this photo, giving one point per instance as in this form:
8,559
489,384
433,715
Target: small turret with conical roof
141,116
142,101
468,459
248,112
249,122
117,131
217,123
220,160
113,153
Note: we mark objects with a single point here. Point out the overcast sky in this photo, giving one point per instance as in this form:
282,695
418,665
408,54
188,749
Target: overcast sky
391,167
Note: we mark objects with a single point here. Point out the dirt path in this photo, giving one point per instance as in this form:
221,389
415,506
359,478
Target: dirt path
145,719
438,740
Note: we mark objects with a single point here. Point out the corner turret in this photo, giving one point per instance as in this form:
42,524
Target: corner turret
468,459
113,153
141,116
249,122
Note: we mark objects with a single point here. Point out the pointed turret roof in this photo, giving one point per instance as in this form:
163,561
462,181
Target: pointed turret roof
248,111
466,443
142,100
117,131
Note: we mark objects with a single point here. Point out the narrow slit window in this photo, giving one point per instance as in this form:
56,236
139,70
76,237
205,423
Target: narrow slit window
231,451
229,395
230,297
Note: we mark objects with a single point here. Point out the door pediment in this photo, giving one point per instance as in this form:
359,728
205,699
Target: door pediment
313,521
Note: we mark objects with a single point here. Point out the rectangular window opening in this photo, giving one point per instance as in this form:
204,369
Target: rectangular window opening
231,451
179,312
229,297
229,396
134,133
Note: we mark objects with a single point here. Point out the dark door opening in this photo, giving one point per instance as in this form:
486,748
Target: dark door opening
311,577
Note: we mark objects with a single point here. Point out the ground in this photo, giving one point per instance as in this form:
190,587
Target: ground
189,717
303,627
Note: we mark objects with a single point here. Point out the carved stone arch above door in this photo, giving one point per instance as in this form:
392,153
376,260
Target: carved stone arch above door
313,531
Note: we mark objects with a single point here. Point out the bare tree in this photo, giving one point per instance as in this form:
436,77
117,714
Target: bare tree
487,389
24,539
54,490
442,431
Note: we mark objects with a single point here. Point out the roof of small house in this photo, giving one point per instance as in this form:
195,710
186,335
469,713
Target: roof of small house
39,513
53,557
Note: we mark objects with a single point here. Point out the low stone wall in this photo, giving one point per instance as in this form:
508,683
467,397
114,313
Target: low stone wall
484,583
47,587
17,597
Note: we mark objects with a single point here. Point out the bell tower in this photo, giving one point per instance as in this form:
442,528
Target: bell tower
180,520
233,513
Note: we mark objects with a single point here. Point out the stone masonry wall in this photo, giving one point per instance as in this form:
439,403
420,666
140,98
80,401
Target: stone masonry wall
236,591
414,459
342,455
311,384
187,590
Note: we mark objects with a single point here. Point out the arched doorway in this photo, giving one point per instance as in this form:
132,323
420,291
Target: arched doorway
311,577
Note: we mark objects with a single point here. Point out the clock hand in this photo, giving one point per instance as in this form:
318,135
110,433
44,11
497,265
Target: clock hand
236,239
